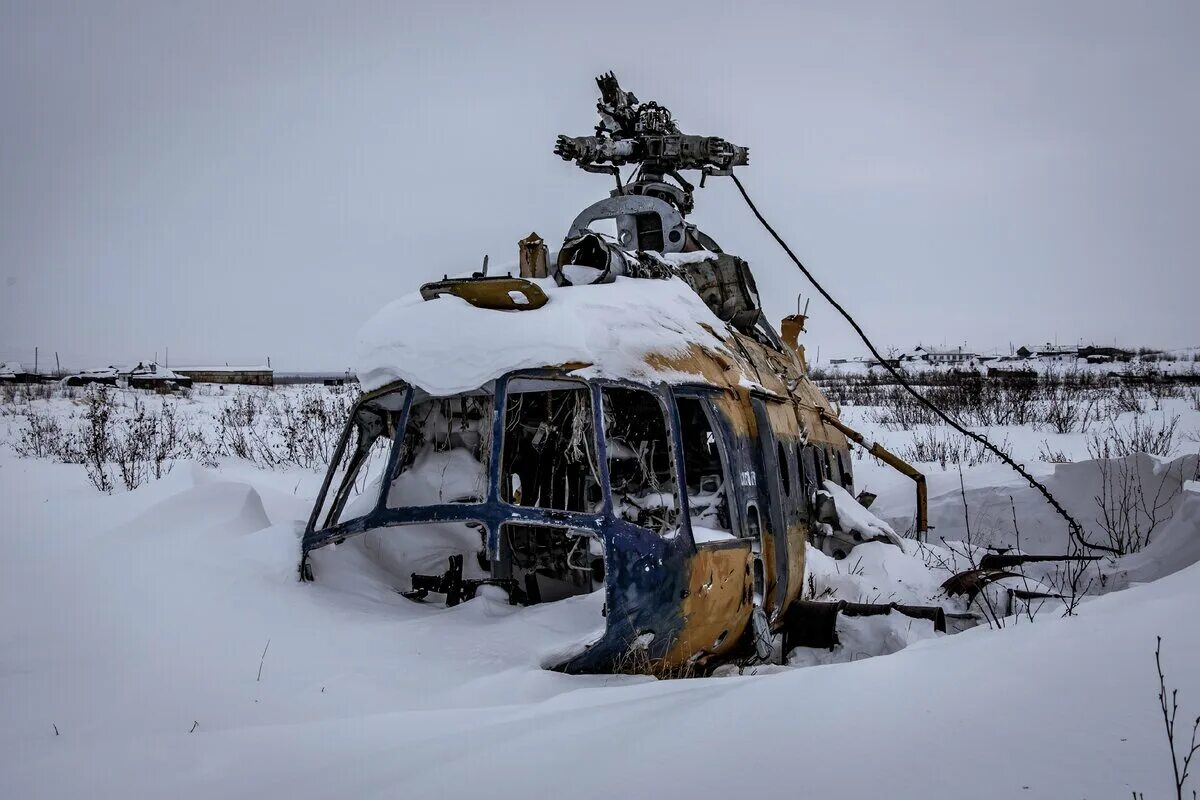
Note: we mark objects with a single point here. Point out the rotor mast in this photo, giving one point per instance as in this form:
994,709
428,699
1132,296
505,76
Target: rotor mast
645,133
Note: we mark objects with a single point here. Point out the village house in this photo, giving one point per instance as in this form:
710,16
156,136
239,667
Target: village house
1104,355
15,372
251,376
956,357
142,376
1050,353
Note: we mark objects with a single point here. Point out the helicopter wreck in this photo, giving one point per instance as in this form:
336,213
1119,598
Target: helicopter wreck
619,417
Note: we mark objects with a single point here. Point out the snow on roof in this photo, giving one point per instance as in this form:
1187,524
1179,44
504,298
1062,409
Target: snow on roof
11,368
143,370
446,345
139,370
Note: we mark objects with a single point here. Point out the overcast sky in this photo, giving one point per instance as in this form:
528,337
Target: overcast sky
240,180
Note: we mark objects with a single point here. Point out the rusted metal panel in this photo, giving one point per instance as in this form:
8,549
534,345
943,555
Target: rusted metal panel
497,294
533,255
797,540
716,608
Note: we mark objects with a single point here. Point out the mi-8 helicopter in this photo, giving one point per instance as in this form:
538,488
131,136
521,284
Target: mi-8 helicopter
619,417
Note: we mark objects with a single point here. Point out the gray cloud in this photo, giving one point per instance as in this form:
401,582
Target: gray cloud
239,180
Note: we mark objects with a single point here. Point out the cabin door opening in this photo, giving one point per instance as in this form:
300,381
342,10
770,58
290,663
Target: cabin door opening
711,497
774,490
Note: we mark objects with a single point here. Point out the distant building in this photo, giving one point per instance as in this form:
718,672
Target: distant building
154,376
15,372
956,357
1104,355
141,376
1058,354
326,378
105,376
251,376
1050,352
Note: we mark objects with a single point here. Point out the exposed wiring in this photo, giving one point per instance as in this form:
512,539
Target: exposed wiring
1076,530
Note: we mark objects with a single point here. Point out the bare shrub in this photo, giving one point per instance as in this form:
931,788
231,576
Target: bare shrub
147,443
1140,436
898,410
1098,406
1161,388
946,447
1127,400
1051,455
311,425
1181,762
243,408
273,430
236,434
1063,402
92,444
16,394
994,619
122,437
42,436
1064,408
1128,512
1193,398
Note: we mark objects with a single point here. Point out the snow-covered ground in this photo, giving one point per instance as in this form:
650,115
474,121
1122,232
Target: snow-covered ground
157,643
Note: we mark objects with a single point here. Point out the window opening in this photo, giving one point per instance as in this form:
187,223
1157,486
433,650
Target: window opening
641,468
705,472
549,459
807,468
843,459
445,452
781,464
354,482
550,563
753,525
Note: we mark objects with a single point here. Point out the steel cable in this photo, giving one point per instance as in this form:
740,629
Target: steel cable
1076,531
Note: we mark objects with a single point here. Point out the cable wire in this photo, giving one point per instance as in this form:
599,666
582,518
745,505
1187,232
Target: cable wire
1076,531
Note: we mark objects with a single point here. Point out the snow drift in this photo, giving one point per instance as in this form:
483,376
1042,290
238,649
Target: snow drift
142,643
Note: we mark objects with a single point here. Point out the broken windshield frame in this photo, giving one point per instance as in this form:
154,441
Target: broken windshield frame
549,456
444,451
494,510
374,415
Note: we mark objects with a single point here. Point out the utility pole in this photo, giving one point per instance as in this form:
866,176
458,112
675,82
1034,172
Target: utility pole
35,361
